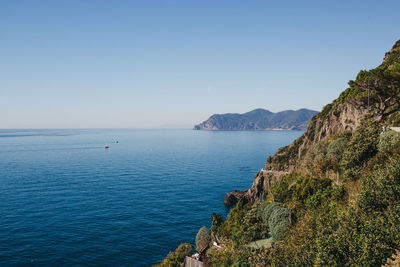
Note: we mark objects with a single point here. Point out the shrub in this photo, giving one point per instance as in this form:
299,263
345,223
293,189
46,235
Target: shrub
253,226
336,148
279,221
216,221
280,190
307,186
267,211
388,140
177,258
259,257
361,147
203,238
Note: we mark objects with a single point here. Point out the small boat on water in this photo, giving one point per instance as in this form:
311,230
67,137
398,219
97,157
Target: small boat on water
106,146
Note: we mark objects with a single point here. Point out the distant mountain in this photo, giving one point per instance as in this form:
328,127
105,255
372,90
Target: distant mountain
259,119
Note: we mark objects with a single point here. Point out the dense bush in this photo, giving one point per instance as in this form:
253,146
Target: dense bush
238,257
388,140
382,189
307,186
243,225
281,191
216,221
279,221
335,148
361,147
175,259
259,257
203,238
268,209
323,195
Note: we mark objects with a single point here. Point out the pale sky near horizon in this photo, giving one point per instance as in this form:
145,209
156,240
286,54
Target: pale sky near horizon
144,64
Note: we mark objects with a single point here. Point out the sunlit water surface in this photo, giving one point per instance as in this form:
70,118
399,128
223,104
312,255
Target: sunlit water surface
66,200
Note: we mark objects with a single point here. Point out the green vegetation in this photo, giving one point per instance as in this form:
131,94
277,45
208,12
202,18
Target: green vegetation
279,221
362,146
339,202
203,238
243,225
388,140
176,258
342,206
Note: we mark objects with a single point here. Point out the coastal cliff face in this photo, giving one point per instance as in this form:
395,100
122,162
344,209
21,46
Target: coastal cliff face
332,197
334,119
343,115
262,183
258,119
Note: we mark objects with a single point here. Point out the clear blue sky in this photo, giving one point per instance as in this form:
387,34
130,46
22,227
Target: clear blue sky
140,64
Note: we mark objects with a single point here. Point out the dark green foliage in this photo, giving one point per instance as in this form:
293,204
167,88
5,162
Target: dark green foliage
203,238
325,194
268,209
239,257
278,222
281,190
308,186
394,119
297,195
336,147
277,217
381,190
243,225
222,258
216,221
361,147
253,225
175,259
369,233
259,257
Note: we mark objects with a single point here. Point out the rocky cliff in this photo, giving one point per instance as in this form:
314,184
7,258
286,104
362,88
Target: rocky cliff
375,92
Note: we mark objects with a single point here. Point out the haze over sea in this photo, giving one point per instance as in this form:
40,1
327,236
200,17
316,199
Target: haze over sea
66,200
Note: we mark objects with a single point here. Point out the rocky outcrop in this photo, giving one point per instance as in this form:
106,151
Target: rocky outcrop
342,117
258,119
262,183
335,118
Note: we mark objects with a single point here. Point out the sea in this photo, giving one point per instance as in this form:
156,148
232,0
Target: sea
66,200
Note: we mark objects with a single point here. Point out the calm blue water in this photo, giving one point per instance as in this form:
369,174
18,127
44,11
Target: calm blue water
65,200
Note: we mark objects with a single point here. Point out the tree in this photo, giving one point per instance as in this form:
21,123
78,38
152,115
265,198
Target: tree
203,239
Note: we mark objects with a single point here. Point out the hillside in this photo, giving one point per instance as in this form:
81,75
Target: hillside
259,119
332,197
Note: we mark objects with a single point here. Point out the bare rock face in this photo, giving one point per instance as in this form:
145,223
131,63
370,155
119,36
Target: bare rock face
235,196
344,117
262,183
